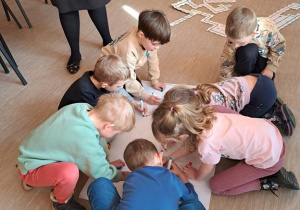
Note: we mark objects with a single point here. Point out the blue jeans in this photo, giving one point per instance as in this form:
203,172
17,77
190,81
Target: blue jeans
103,195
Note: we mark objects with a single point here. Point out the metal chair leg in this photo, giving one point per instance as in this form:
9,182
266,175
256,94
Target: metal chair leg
8,10
24,14
6,55
4,66
6,48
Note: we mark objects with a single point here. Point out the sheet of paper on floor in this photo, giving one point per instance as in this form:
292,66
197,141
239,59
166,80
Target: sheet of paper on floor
142,129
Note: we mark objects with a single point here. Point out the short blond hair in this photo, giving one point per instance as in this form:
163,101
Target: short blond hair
241,22
117,109
138,153
111,69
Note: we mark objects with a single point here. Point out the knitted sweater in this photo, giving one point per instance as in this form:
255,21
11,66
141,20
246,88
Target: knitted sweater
68,136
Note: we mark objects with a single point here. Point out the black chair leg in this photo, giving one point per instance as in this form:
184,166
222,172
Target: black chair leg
10,61
6,48
46,1
24,14
8,11
4,66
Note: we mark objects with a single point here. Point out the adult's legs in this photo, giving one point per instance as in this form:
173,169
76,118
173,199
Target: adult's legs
103,194
62,175
71,26
262,97
242,178
249,61
99,18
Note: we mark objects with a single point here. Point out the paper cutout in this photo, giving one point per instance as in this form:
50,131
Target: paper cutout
142,129
280,20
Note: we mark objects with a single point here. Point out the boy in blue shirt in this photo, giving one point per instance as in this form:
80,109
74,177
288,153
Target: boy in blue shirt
149,186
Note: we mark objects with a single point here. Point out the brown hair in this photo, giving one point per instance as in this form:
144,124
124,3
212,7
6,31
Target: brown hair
111,69
183,111
155,26
138,153
241,22
117,109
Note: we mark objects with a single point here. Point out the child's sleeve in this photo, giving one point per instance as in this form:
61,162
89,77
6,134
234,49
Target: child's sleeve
153,67
123,92
189,194
277,46
227,61
93,162
133,86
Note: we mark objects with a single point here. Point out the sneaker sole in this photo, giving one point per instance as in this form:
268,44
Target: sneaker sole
289,118
26,187
287,179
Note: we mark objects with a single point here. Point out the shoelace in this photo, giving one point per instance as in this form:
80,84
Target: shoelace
269,186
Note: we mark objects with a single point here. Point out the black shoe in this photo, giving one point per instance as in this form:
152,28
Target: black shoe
283,118
283,179
74,64
70,205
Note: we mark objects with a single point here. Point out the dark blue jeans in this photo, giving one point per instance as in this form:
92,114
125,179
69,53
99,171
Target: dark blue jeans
104,196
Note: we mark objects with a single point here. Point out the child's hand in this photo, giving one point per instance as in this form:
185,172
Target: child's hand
119,164
153,100
138,107
178,172
267,73
124,175
159,86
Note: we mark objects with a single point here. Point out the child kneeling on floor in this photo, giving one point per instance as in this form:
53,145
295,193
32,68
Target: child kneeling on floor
71,140
149,186
257,143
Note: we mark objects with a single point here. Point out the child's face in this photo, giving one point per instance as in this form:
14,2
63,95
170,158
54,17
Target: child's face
240,42
150,45
116,86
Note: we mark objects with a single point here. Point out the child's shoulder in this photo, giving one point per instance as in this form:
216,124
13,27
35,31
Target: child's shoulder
127,37
266,23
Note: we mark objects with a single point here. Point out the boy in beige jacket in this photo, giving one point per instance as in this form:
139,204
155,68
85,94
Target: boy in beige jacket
138,46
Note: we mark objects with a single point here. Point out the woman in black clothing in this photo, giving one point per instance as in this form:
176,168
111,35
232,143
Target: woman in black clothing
69,18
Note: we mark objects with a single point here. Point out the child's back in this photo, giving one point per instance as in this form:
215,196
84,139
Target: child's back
152,188
239,137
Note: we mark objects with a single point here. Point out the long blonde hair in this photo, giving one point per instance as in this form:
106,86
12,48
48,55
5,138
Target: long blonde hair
183,111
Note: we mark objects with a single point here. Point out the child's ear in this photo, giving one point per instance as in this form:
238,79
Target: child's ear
140,34
108,125
103,84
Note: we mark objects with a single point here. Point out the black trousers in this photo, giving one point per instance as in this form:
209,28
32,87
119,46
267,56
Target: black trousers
248,61
262,97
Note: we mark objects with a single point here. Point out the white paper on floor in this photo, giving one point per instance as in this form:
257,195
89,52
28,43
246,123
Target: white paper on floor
142,129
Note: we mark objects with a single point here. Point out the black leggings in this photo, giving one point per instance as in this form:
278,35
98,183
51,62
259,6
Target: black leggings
262,97
71,25
248,61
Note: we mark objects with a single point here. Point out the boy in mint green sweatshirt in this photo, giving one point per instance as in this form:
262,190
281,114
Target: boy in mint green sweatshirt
72,140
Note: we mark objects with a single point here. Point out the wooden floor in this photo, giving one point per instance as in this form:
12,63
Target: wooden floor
192,57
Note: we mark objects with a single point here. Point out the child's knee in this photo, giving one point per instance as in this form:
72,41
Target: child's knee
215,187
69,173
